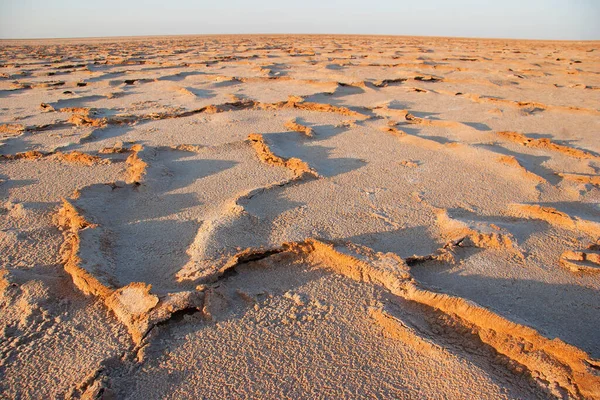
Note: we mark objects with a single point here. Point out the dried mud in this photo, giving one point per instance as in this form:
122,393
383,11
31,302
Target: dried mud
299,217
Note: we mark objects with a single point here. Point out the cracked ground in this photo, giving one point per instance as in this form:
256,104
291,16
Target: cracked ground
299,217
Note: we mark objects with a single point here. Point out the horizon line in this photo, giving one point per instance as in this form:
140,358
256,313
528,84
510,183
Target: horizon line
293,34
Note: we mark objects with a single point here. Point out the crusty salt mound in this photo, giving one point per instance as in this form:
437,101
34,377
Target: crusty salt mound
299,217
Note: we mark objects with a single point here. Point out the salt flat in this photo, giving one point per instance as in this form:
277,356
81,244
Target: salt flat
299,217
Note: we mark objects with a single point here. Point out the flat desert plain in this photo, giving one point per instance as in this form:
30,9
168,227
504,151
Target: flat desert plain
299,217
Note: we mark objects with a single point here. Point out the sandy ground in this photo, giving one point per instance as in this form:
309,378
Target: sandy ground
299,217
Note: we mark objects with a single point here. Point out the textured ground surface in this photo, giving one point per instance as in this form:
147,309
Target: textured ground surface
285,217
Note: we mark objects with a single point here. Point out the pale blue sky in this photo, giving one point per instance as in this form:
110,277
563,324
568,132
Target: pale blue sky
534,19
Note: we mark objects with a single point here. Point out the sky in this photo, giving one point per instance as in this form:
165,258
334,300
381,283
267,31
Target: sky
526,19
